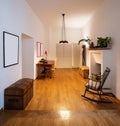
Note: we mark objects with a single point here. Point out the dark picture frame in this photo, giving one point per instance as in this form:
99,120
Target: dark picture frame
10,49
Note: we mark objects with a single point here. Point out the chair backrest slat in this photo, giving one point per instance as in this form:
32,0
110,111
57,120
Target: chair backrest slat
104,77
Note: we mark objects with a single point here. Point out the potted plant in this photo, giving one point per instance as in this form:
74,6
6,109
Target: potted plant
85,40
84,49
103,42
91,44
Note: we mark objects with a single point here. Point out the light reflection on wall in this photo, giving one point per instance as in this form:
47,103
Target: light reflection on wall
77,22
86,30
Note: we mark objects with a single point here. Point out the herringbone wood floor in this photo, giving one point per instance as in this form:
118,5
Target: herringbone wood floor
58,102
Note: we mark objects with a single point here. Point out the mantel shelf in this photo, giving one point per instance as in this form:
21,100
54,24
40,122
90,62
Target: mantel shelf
99,48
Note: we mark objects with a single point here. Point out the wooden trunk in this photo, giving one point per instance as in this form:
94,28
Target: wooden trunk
18,95
84,71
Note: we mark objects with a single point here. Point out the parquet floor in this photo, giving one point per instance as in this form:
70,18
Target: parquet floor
58,102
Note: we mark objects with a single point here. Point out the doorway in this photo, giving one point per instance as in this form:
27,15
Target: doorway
27,56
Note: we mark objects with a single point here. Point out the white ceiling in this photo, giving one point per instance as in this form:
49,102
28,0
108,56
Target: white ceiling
77,12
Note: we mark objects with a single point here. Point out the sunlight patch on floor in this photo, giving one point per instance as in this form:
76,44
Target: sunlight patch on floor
64,114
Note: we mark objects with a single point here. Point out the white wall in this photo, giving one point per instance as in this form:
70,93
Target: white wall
106,22
64,55
73,35
16,17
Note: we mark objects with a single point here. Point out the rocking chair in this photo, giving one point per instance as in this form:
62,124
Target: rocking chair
95,86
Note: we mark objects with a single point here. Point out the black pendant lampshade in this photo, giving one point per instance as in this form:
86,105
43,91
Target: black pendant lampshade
63,31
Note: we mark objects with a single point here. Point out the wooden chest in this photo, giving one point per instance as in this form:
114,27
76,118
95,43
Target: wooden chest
84,71
18,95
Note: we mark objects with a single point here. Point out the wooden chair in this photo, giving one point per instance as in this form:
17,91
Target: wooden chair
95,86
50,71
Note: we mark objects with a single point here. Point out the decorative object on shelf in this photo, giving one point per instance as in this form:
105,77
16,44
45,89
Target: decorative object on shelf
43,60
85,40
63,31
103,42
91,45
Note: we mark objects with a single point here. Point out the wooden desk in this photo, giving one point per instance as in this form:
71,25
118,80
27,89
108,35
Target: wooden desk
44,69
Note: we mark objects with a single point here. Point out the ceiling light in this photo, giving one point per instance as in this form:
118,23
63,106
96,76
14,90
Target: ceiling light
63,31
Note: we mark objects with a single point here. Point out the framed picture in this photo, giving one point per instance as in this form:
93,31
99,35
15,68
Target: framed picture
42,50
10,49
39,49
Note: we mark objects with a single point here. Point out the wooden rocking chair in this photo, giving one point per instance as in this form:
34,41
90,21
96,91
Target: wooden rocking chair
95,86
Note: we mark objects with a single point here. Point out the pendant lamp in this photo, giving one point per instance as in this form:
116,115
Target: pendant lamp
63,31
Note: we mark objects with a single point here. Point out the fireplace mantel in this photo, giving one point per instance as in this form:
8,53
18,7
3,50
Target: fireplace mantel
99,48
98,60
